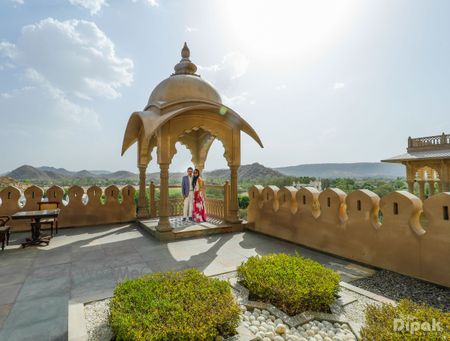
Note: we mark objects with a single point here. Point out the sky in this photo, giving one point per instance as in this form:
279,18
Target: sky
320,81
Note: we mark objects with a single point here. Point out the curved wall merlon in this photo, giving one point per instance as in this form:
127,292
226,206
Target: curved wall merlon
385,233
75,212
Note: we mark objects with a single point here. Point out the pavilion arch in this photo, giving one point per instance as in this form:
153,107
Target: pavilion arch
187,109
424,154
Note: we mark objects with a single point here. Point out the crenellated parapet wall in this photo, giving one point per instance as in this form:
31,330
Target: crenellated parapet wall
385,233
79,208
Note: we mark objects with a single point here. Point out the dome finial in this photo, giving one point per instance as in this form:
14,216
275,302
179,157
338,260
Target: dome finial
185,66
185,52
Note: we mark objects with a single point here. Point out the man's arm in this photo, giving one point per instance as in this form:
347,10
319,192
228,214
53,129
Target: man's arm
183,190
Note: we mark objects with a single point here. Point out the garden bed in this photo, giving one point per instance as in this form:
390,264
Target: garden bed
347,314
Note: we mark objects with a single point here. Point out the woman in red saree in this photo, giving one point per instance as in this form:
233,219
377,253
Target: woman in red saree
199,209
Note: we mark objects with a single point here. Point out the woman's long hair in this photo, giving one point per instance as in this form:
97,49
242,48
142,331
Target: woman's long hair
195,178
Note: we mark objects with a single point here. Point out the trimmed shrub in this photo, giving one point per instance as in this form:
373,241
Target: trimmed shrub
243,201
417,322
292,283
183,305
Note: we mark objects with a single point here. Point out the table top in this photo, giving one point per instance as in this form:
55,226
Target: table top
36,214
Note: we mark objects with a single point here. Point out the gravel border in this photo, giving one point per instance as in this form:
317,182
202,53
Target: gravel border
396,287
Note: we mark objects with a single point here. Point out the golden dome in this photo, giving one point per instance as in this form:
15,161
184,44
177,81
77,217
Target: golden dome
184,84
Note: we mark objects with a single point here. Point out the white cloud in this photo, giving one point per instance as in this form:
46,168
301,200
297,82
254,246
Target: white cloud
280,87
338,85
225,76
7,52
44,108
152,3
18,2
234,100
191,29
74,56
7,49
233,66
63,63
94,6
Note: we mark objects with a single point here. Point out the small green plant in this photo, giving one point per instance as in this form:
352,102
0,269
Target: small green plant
183,305
244,201
292,283
406,321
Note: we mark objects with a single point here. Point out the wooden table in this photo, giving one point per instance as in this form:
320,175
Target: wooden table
36,216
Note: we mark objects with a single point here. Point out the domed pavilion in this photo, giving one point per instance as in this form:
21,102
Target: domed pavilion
185,108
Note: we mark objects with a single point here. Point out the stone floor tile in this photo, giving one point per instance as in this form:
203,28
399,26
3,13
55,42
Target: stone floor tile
4,311
8,293
35,288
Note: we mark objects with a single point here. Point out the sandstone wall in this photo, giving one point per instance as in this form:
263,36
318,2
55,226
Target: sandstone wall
385,233
74,212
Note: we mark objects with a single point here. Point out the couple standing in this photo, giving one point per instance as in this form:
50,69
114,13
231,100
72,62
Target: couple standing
194,204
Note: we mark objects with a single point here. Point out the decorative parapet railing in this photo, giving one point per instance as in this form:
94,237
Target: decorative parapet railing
78,207
385,233
429,142
215,207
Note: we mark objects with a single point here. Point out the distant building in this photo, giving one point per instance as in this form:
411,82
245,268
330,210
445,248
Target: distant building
317,184
427,161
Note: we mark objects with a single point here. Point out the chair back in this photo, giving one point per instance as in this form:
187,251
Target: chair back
3,220
48,205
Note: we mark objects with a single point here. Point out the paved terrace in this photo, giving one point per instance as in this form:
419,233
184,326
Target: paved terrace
37,283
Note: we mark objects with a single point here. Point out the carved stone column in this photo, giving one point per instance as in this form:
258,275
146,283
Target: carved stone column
410,176
234,207
226,200
142,211
164,224
410,186
152,200
421,189
432,189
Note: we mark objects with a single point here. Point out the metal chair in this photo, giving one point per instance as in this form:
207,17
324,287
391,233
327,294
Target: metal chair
4,231
52,222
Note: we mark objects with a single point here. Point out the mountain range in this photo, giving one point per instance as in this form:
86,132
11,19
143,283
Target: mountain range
246,172
45,173
346,170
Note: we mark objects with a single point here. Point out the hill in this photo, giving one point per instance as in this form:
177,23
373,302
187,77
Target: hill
61,171
29,172
246,172
120,175
346,170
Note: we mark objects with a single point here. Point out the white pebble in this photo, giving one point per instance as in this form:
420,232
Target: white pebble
253,329
270,335
260,335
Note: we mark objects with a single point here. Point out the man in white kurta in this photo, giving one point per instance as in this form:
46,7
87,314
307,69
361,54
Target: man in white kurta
188,194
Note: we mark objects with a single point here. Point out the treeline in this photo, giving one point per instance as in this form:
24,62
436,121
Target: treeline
378,186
